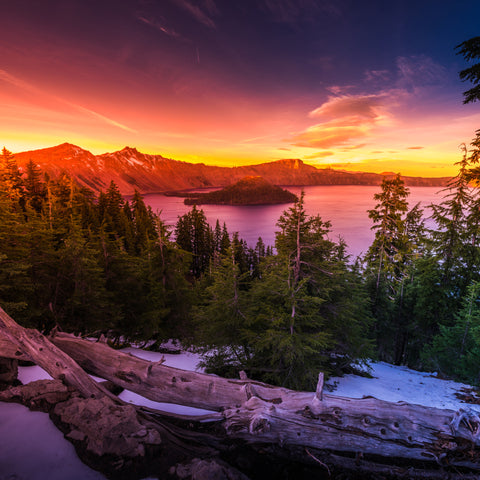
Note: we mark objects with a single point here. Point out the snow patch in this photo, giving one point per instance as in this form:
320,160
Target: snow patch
397,384
32,448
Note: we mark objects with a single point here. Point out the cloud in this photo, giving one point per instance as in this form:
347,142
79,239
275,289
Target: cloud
204,15
326,153
352,147
328,135
159,26
339,89
376,76
38,93
419,70
360,107
16,82
415,148
347,118
101,117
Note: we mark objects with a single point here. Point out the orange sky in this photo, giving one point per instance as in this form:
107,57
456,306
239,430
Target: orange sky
211,82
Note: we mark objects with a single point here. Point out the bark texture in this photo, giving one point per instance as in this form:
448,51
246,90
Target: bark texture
361,438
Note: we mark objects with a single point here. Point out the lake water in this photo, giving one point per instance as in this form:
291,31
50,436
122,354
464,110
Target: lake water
344,206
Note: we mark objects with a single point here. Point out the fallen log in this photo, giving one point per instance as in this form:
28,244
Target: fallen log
161,383
10,350
53,360
354,434
260,413
108,434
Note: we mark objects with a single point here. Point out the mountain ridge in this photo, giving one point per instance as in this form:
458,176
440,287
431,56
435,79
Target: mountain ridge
132,170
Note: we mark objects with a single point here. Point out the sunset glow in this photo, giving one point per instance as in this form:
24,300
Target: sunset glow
234,83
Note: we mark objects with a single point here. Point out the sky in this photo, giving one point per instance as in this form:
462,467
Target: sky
356,85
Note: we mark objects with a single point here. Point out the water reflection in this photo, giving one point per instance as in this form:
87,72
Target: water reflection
345,206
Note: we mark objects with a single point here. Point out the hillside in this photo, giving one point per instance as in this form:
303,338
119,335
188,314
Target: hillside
131,169
247,191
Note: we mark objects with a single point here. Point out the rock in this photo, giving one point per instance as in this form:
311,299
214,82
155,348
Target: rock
39,395
213,469
107,429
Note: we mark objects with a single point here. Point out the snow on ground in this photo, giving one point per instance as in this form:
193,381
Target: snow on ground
31,447
395,384
184,360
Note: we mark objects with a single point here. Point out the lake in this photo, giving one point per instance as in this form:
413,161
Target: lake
345,206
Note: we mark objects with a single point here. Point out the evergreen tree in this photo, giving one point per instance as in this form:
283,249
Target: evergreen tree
390,263
304,306
81,302
194,235
143,221
10,176
35,188
470,49
388,223
15,284
220,319
455,351
451,227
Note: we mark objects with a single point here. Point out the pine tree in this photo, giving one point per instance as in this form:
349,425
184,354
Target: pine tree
11,181
470,49
304,306
451,232
143,222
194,235
388,223
35,188
220,319
81,302
455,351
15,284
390,262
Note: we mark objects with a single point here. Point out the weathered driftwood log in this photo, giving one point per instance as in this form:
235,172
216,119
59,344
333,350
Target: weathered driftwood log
374,432
41,351
162,383
108,434
260,413
10,350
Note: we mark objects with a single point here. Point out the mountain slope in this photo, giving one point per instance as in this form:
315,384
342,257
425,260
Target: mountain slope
131,170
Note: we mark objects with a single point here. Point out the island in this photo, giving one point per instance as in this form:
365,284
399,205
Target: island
251,190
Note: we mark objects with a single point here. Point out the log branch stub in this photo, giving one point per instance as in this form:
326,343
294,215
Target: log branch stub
319,390
269,415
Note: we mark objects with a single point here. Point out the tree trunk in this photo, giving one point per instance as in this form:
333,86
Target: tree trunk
41,351
298,426
260,413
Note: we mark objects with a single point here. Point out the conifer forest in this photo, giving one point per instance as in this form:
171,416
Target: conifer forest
102,264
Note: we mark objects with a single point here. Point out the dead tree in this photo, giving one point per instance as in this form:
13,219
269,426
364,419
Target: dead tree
360,435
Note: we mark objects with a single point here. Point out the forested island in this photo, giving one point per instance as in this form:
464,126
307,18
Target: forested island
247,191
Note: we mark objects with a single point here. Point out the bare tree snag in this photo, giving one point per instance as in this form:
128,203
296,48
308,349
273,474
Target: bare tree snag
53,360
320,428
162,383
10,350
260,413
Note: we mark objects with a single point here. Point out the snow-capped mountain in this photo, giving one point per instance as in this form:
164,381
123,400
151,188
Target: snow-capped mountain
132,170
